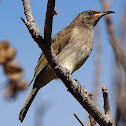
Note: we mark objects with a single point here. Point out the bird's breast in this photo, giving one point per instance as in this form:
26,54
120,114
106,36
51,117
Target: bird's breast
74,55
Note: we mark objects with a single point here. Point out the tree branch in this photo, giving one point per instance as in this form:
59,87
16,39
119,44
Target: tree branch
30,23
45,44
119,54
92,121
78,119
106,101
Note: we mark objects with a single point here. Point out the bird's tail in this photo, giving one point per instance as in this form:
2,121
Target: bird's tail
27,104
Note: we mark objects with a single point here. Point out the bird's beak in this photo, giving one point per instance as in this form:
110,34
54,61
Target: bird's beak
104,13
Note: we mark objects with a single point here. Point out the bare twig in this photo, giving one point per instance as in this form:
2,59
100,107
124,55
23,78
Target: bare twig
30,23
56,12
122,30
106,101
92,121
111,3
120,84
73,87
117,49
78,119
118,114
98,65
49,20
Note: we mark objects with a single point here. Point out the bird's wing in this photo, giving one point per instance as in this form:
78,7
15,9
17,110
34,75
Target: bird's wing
60,40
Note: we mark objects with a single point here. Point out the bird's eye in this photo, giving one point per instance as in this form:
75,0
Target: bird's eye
89,13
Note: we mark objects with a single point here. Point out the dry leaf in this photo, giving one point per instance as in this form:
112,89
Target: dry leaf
14,86
4,44
13,71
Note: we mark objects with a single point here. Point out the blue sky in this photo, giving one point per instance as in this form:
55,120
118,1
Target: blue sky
61,105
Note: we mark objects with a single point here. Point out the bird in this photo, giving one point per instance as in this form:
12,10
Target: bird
72,46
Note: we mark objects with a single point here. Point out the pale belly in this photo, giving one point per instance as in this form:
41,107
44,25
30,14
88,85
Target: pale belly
73,60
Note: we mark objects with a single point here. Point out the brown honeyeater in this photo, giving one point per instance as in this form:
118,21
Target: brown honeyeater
72,45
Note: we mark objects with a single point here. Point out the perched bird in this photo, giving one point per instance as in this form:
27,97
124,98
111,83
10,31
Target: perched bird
72,45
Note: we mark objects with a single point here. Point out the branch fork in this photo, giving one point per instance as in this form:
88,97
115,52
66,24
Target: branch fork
45,44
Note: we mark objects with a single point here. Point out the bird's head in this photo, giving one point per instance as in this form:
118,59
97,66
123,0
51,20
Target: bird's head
91,17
